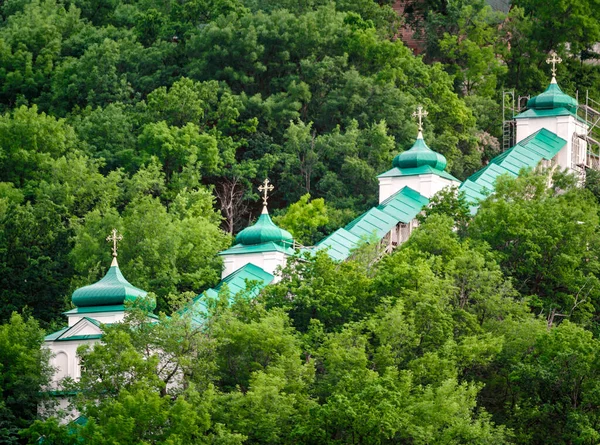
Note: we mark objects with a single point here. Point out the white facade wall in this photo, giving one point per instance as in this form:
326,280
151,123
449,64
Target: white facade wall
427,185
102,317
565,127
65,359
268,261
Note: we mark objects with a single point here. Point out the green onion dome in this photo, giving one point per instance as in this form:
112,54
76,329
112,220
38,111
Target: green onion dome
264,231
113,289
552,98
420,155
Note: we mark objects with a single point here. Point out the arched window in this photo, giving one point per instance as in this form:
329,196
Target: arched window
61,361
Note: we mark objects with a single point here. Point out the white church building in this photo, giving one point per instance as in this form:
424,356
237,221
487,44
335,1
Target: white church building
548,133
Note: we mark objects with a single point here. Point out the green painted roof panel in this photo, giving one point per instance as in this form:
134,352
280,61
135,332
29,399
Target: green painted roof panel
528,153
373,222
404,205
81,337
339,244
55,335
95,309
422,170
551,99
240,249
112,289
420,155
236,283
264,231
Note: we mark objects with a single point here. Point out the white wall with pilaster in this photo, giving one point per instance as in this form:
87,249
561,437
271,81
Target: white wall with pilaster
427,185
103,317
268,261
64,359
563,126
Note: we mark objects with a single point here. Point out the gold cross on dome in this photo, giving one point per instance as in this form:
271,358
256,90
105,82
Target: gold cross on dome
114,238
554,60
420,114
265,188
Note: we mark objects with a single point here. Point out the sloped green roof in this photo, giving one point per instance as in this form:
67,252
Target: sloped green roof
419,160
373,222
423,170
96,309
552,98
420,155
270,246
81,337
94,322
55,335
339,244
546,113
62,335
264,231
113,289
542,144
403,207
236,283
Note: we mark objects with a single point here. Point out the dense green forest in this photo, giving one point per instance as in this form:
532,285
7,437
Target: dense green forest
160,118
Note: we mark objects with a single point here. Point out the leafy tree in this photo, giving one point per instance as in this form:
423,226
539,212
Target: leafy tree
318,288
557,387
24,373
304,218
29,141
167,250
108,133
450,202
546,241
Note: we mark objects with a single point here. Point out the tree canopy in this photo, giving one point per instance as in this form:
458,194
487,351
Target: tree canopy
161,118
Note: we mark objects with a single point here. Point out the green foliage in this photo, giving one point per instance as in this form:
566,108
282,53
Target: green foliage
133,114
168,250
24,373
303,219
450,202
557,387
546,241
318,288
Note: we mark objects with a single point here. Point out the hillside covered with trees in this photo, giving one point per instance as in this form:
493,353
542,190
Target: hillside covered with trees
160,118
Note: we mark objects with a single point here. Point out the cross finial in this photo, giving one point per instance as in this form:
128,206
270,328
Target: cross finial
265,188
554,60
114,238
420,114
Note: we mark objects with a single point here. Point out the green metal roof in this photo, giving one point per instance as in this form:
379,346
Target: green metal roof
96,309
403,207
94,322
420,155
543,144
264,231
236,283
55,335
546,113
499,5
419,160
81,337
60,335
339,244
552,98
373,222
271,246
423,170
113,289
